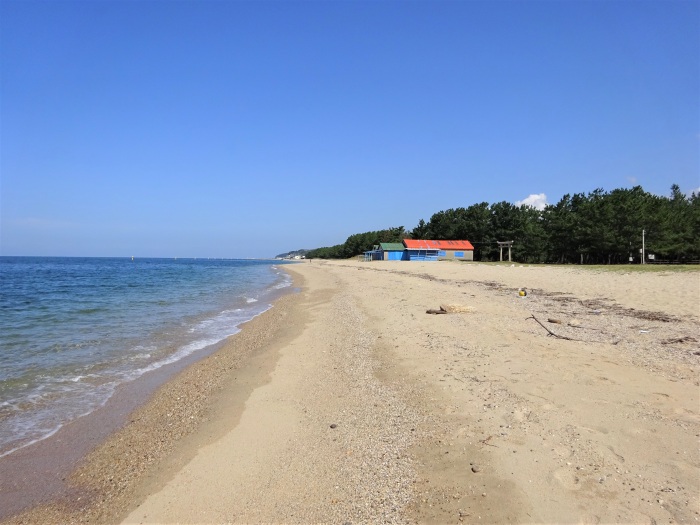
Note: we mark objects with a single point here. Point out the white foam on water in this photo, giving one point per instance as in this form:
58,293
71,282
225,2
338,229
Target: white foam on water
31,442
36,408
78,395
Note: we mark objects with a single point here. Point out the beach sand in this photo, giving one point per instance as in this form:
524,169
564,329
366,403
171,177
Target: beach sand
348,403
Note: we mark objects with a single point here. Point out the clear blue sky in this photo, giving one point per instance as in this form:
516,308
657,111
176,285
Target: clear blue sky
246,129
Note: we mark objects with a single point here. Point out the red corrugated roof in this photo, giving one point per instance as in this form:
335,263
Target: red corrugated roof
420,244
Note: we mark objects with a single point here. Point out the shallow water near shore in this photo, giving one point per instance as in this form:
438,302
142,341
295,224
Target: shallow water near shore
72,330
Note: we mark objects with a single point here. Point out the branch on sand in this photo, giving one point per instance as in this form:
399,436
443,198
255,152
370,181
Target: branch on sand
550,332
452,309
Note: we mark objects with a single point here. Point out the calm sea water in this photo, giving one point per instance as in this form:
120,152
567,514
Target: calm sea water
73,329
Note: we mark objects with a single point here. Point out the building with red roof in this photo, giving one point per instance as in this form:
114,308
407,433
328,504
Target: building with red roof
430,250
421,250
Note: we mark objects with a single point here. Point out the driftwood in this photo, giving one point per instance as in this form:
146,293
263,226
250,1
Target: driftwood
451,309
550,332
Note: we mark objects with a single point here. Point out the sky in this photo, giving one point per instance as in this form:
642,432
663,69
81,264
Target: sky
251,128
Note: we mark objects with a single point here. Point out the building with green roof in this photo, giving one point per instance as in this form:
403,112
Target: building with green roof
391,251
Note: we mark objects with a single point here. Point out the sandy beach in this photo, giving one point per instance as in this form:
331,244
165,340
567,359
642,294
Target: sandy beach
348,403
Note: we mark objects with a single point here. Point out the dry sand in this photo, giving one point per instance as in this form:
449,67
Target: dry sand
347,403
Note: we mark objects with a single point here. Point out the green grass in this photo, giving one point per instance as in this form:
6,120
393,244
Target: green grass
618,268
645,268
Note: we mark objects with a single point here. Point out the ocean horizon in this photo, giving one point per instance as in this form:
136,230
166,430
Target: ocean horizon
73,329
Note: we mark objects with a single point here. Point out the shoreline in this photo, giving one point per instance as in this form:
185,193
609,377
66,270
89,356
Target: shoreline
378,412
325,440
353,405
69,476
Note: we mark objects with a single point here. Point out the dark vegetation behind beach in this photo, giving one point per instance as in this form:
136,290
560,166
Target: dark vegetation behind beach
598,228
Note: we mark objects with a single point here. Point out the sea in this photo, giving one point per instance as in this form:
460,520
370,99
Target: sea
72,330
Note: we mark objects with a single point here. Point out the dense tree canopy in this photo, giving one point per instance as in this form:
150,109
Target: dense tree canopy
598,228
358,243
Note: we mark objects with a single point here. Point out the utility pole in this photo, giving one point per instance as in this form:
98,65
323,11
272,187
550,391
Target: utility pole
643,232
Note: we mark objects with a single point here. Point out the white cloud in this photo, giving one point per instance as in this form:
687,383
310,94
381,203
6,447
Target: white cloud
632,180
536,200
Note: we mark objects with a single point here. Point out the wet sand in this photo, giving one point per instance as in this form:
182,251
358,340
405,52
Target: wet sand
89,470
348,403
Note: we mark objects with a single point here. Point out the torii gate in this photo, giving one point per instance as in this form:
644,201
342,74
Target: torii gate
501,244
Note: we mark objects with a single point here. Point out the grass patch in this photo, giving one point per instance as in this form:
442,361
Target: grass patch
614,268
645,268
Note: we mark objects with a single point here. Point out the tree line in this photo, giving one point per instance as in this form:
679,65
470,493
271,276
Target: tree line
596,228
